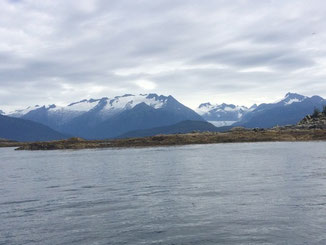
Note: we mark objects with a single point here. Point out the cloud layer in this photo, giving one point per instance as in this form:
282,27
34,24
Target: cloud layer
237,51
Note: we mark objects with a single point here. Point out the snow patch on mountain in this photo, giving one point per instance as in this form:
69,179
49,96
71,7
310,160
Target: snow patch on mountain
223,114
222,123
207,108
22,112
204,108
239,109
83,105
291,101
129,101
290,98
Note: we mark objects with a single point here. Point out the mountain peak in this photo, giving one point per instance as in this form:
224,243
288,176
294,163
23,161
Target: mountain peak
207,104
253,107
84,101
150,96
127,95
292,98
124,96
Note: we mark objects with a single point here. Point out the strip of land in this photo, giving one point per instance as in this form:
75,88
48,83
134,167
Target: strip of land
240,135
10,143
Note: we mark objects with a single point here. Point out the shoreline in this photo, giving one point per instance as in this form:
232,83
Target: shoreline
233,136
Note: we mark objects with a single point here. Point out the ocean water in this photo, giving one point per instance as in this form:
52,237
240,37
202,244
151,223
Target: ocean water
249,193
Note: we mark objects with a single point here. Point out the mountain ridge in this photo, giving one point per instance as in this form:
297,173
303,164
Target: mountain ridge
105,117
288,110
178,128
24,130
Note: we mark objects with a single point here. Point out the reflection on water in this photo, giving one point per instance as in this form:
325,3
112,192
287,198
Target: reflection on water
270,193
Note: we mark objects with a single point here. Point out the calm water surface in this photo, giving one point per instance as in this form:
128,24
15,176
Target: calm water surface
257,193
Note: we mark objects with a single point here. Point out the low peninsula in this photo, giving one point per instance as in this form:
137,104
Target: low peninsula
311,128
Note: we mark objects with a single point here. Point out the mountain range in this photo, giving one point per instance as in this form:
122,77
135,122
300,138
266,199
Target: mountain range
289,110
148,114
109,118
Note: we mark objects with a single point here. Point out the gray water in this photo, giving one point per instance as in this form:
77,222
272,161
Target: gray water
256,193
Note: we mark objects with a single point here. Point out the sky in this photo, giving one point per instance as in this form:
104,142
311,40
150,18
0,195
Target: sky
240,52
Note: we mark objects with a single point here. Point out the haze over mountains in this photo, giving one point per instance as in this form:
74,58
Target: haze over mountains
149,114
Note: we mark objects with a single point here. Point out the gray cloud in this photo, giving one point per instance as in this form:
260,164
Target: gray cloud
224,51
274,58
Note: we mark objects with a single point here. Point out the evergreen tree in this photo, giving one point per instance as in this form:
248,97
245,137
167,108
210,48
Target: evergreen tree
316,112
324,110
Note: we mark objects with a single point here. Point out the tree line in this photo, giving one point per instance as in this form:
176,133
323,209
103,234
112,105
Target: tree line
317,112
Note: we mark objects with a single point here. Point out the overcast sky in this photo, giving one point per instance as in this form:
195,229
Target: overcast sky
242,52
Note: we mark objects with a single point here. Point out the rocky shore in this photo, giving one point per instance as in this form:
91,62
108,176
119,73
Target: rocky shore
313,122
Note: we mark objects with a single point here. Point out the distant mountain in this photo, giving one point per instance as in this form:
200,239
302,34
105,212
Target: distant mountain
25,130
1,112
178,128
55,116
290,110
144,116
106,118
223,114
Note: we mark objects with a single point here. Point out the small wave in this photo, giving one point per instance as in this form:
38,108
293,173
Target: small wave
19,202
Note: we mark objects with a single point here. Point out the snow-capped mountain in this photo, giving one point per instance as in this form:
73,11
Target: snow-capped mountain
289,110
223,114
22,112
108,107
291,98
101,118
